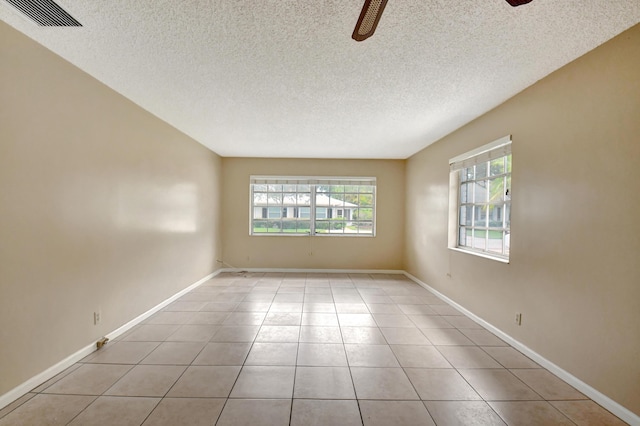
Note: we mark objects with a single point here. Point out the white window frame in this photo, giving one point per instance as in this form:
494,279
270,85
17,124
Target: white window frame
314,183
497,149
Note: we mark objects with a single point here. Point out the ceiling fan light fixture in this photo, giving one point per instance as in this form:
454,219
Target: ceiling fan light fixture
368,20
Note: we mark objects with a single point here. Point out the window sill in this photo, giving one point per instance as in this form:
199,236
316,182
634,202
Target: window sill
480,254
320,234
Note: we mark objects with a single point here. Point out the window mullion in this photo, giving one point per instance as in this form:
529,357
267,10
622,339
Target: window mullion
312,213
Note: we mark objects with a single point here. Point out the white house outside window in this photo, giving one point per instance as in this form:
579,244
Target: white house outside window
292,205
481,188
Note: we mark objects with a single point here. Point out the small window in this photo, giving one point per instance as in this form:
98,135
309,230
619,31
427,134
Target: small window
312,205
480,200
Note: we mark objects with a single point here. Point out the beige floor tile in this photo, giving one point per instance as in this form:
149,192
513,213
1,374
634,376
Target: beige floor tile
320,319
186,411
406,300
219,306
441,384
264,382
319,307
174,353
17,403
383,308
47,410
419,356
323,383
446,310
245,318
429,321
286,307
363,335
262,296
185,306
89,379
283,318
289,298
446,337
51,381
272,354
461,322
347,298
463,413
393,320
147,380
397,413
208,318
205,382
193,333
498,385
483,337
150,333
253,307
122,353
163,317
376,299
382,383
531,413
587,413
314,334
467,357
405,336
356,320
116,410
251,412
509,357
417,310
236,333
370,356
278,333
322,355
318,298
547,385
352,308
218,353
325,412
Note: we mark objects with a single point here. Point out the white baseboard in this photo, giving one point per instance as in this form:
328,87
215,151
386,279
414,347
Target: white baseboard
617,409
317,271
50,372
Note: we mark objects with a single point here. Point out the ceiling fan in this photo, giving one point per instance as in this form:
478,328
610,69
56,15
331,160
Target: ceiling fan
372,10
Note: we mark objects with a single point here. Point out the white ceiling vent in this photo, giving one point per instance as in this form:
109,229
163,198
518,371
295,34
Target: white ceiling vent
45,13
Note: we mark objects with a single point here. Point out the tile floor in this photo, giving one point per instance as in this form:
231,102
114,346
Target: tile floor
306,349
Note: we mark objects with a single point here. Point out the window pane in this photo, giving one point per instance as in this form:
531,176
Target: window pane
507,190
479,236
366,188
495,242
304,199
465,193
496,190
480,194
508,160
259,198
274,212
365,227
507,216
365,214
465,237
274,188
304,212
304,226
466,174
495,216
337,188
289,198
466,214
497,166
321,213
365,200
481,170
275,198
480,217
289,188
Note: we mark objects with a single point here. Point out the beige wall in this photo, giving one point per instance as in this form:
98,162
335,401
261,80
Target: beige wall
102,206
381,252
575,269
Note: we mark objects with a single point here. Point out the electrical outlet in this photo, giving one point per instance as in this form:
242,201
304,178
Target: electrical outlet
97,317
519,318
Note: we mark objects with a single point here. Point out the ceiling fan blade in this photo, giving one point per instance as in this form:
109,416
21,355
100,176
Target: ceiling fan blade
515,3
368,20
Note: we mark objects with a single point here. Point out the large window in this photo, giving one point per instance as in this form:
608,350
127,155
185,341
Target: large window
292,205
481,186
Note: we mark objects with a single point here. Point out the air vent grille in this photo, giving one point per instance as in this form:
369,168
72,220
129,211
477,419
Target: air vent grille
45,13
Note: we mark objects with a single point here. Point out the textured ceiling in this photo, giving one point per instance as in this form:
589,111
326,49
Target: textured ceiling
283,78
